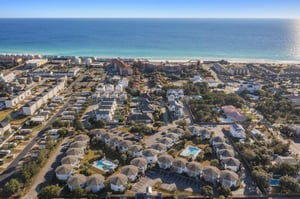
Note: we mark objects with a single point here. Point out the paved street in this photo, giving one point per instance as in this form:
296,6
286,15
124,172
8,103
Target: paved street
46,172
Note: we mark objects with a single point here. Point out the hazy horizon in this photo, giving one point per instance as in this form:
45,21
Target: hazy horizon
268,9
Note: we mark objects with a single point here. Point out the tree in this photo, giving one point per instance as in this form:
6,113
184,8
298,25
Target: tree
124,158
12,186
207,190
214,162
78,124
51,191
182,123
100,124
289,185
225,191
78,193
261,177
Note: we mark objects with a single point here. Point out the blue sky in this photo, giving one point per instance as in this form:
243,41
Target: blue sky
150,8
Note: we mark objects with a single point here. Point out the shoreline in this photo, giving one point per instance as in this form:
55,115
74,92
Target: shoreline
169,59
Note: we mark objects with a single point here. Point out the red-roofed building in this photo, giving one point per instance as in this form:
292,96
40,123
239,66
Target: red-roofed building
122,67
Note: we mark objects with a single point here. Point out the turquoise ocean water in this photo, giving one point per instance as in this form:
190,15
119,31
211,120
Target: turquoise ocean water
265,39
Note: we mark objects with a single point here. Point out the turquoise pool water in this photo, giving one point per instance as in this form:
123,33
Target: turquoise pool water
105,165
274,182
190,151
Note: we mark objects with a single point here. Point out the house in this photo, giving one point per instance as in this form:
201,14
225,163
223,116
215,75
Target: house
140,163
224,153
34,63
173,136
160,147
229,178
122,67
136,150
220,146
124,145
231,163
167,141
118,182
7,77
82,138
141,117
106,138
165,161
233,113
4,127
98,133
130,171
76,152
178,131
216,139
150,155
176,109
179,165
115,141
104,115
78,144
286,159
210,174
237,131
194,169
30,108
250,87
95,183
76,181
71,160
175,94
197,131
63,172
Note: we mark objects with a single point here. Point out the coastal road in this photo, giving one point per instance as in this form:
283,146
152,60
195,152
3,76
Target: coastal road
12,168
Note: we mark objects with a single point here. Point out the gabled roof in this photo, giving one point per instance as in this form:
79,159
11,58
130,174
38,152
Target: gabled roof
139,162
165,158
129,170
228,175
231,161
94,180
64,169
76,180
118,179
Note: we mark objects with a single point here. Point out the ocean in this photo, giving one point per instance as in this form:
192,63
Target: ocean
177,39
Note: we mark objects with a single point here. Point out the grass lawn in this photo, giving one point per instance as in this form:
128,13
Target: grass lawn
15,151
19,121
5,113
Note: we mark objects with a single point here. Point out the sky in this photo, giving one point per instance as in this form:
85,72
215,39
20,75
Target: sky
150,9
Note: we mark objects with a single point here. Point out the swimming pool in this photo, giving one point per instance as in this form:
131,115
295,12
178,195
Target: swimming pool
190,151
105,165
274,182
